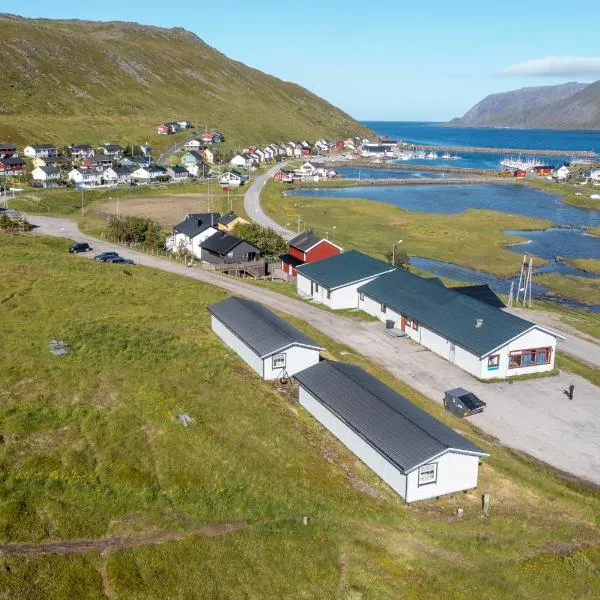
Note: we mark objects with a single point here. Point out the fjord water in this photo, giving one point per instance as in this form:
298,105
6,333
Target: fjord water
438,134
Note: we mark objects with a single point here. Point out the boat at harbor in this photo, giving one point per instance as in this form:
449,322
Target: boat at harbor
521,164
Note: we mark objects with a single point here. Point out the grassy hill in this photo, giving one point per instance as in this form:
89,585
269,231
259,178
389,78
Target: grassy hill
79,81
564,106
91,449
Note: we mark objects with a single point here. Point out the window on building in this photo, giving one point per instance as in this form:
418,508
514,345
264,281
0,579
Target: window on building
279,361
328,294
316,287
493,362
428,474
383,307
230,255
415,325
530,358
362,297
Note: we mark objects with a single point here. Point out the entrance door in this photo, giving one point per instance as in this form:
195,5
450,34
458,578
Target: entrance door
403,323
452,352
312,288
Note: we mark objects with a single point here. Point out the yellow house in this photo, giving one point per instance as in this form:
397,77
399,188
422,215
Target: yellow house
208,156
229,221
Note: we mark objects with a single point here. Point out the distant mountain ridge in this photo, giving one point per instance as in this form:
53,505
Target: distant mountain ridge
85,81
564,106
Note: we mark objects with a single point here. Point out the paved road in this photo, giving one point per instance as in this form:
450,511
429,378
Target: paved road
573,344
533,416
253,208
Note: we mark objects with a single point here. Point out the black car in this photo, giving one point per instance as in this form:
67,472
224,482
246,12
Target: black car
119,260
80,247
104,256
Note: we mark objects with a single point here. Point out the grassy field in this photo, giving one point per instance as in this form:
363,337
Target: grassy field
581,289
592,265
473,238
91,448
570,193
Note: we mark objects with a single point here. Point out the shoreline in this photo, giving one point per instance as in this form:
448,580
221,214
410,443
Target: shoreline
491,150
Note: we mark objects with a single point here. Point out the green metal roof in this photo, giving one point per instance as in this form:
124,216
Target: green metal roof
449,313
344,268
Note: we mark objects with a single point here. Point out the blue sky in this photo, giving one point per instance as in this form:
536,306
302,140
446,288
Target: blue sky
386,60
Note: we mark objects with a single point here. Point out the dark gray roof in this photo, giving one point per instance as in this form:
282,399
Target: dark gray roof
221,243
228,218
178,169
43,146
447,312
196,223
8,147
121,170
405,434
12,160
305,241
49,170
343,269
483,293
258,327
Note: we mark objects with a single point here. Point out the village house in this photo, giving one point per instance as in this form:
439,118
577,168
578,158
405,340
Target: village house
474,335
60,162
194,144
298,153
134,161
269,153
562,173
96,162
223,247
267,344
595,176
284,176
8,150
306,248
260,154
218,137
149,173
542,170
415,454
173,126
334,281
12,165
228,221
192,231
243,161
115,151
163,129
85,177
79,151
40,150
185,124
207,137
117,175
350,144
208,156
177,173
46,176
520,173
232,178
191,158
146,150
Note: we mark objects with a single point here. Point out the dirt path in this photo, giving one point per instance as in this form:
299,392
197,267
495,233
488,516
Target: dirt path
109,544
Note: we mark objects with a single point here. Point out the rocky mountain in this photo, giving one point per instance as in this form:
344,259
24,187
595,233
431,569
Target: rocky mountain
91,81
565,106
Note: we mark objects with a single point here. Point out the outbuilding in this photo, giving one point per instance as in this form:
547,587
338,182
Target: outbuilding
415,454
307,248
476,336
334,281
267,343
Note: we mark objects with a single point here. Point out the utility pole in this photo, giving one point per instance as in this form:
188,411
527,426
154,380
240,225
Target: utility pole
82,202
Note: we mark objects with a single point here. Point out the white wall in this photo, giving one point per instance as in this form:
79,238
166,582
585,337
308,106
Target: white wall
247,354
297,359
303,285
455,472
193,245
366,453
343,297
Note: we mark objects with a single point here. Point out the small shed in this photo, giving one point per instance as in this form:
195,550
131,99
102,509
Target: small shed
267,343
415,454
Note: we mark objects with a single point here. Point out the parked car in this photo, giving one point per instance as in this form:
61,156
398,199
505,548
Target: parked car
104,256
80,247
119,260
462,403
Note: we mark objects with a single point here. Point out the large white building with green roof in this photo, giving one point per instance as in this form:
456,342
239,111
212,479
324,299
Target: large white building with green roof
481,339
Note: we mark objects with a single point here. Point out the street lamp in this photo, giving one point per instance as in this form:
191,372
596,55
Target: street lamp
299,221
394,252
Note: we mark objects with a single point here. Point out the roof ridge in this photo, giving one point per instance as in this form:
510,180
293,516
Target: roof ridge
254,305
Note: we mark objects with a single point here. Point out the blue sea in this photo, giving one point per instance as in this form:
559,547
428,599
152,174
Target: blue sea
428,133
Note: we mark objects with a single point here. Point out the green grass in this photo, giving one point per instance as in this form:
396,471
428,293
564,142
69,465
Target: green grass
581,289
153,75
592,265
91,448
585,321
567,192
590,372
474,238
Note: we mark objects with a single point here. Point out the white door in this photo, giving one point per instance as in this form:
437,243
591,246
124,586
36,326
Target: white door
452,352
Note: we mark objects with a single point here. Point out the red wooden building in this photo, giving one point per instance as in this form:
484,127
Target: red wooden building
8,150
307,248
520,173
543,170
12,166
163,129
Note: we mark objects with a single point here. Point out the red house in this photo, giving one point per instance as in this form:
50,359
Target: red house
284,176
339,145
12,165
543,170
207,137
306,248
520,173
163,129
8,150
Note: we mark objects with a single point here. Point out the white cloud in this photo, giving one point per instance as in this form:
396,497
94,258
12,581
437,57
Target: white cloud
556,66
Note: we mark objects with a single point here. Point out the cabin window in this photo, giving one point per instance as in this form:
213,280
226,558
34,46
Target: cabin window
328,294
279,361
428,474
362,297
530,358
383,307
415,325
494,362
316,287
230,255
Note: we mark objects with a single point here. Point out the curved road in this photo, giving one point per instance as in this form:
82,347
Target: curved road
532,415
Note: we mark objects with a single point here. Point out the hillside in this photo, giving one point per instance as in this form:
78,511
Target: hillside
565,106
81,81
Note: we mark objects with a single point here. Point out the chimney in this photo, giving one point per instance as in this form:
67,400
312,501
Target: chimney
478,323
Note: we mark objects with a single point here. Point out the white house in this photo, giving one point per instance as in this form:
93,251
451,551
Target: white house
177,173
85,177
475,335
232,178
298,152
562,173
267,343
194,144
269,153
45,175
240,160
193,230
149,173
415,454
117,175
260,154
334,281
595,176
40,151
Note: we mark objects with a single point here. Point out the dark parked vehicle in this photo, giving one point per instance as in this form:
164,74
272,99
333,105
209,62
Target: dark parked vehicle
462,403
105,256
119,260
80,247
